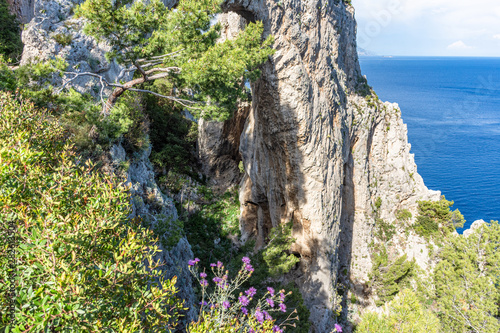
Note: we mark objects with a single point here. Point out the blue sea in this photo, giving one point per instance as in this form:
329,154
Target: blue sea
452,109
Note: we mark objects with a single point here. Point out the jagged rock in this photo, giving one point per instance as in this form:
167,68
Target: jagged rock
475,225
149,203
218,142
23,9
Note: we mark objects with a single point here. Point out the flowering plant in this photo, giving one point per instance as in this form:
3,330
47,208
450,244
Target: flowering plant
226,310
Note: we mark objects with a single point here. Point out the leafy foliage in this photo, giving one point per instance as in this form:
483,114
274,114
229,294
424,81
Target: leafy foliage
404,314
206,75
467,281
276,254
435,217
63,39
384,230
11,45
208,230
82,265
172,136
390,276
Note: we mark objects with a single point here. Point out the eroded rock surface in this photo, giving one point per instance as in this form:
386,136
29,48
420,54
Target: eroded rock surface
320,150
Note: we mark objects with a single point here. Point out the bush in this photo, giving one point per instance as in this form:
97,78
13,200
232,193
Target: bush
467,281
11,45
63,39
82,265
404,314
172,136
390,276
436,217
404,215
384,230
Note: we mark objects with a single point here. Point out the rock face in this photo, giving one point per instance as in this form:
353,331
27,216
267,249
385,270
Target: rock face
319,149
52,31
149,203
475,225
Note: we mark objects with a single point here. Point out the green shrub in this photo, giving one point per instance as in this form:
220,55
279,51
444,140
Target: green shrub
384,230
467,281
388,277
404,215
11,45
277,254
208,229
172,136
404,315
63,39
82,264
436,217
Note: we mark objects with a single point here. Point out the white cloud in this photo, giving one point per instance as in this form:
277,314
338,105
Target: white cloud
496,36
459,45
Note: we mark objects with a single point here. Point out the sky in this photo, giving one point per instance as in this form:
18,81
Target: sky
429,27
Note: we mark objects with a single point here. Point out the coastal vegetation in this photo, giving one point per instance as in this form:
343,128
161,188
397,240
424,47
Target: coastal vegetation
83,264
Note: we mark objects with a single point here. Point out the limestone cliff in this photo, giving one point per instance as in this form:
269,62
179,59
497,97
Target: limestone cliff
318,148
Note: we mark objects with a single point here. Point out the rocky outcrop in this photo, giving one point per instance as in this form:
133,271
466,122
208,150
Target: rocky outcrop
23,9
218,149
475,225
320,149
317,147
159,212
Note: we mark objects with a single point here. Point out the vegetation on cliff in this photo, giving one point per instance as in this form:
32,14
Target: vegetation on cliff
10,33
83,265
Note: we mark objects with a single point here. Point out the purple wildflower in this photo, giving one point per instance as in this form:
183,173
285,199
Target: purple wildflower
249,268
259,316
244,310
203,303
204,282
219,264
217,279
226,304
271,291
246,260
243,300
277,329
282,297
267,315
251,330
282,307
203,275
270,302
213,265
191,262
251,292
338,328
196,260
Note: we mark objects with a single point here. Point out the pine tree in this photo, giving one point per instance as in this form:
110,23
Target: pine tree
467,281
175,52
